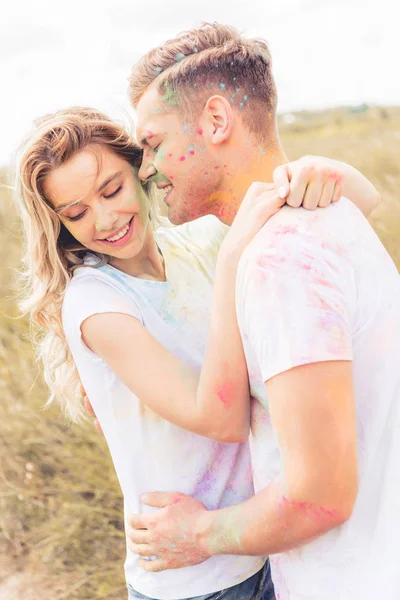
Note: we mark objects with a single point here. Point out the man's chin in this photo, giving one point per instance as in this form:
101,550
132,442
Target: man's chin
179,214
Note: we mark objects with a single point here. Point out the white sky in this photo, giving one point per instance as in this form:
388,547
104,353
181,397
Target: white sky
55,54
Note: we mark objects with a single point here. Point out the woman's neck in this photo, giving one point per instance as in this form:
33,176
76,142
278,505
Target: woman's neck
148,264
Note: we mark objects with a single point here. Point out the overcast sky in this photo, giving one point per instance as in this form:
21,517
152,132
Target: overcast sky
54,54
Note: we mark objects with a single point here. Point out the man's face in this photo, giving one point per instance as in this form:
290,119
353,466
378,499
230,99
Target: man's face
178,157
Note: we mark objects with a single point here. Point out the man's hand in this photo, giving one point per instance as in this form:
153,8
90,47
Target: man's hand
171,534
90,411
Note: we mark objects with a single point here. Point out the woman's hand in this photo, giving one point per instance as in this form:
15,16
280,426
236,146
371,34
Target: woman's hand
310,181
259,204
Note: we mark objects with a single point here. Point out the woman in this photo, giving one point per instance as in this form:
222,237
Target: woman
95,252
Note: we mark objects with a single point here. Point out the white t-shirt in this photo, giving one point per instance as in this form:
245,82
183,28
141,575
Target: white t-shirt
318,286
149,453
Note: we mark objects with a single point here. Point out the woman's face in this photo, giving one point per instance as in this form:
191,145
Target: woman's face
101,202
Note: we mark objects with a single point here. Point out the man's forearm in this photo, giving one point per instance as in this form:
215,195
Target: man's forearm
265,524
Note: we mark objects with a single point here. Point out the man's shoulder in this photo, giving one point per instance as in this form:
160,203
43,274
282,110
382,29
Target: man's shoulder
337,224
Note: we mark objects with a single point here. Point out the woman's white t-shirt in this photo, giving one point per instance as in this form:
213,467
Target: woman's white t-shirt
149,453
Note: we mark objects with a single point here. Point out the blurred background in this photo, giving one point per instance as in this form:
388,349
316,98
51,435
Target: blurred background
336,67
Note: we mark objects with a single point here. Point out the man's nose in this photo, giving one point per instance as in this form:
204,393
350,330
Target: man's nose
147,168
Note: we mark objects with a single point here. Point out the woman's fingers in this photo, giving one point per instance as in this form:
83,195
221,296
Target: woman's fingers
298,186
281,179
312,195
328,192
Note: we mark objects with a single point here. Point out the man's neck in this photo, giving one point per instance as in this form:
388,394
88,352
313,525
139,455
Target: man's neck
258,164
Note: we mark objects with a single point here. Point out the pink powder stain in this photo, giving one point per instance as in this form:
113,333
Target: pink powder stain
192,152
318,512
286,229
224,393
169,155
216,167
199,131
182,158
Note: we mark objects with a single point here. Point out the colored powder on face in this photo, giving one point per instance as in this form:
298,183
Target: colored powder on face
169,155
130,200
200,132
99,227
182,158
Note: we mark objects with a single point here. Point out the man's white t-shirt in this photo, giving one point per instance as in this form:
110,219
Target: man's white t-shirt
319,286
149,453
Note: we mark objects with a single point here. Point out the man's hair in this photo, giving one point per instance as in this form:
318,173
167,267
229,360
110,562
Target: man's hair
211,59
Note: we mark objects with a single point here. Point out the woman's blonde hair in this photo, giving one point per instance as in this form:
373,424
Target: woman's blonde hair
51,253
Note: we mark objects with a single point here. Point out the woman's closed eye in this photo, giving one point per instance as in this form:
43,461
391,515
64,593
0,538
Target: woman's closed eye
114,193
76,217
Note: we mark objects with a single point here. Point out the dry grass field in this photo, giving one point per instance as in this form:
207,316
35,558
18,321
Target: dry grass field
61,527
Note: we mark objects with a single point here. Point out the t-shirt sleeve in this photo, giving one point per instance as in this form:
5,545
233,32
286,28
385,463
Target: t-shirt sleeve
294,299
90,296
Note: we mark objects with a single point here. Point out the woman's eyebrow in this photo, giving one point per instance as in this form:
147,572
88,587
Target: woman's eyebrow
108,180
63,206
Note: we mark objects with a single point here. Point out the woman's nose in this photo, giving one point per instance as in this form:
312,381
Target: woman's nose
105,219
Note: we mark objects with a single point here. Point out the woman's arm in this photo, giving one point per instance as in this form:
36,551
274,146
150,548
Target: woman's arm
216,402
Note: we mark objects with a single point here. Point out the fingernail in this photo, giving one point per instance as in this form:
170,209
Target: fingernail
282,192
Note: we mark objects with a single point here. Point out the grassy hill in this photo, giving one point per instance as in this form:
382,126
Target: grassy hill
61,527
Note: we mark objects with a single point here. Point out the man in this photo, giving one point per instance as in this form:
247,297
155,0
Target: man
317,304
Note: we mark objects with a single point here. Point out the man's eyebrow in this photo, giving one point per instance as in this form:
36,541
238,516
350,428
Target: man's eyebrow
100,189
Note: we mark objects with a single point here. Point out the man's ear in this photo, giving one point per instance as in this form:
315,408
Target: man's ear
217,119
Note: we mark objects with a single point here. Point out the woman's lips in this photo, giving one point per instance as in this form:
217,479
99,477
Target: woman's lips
124,239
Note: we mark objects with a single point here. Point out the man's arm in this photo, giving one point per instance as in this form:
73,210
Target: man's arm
313,414
296,300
